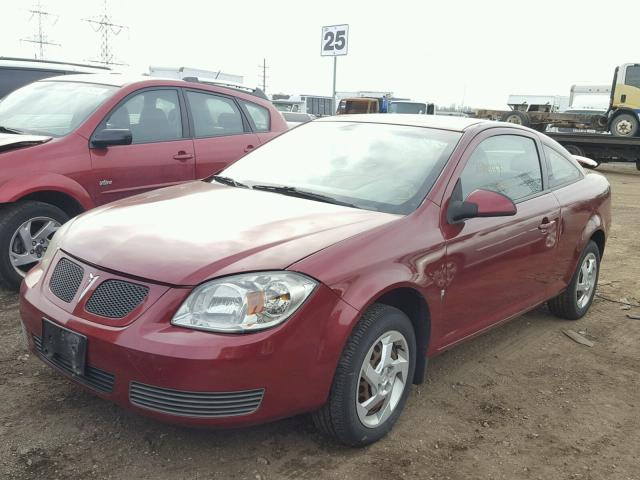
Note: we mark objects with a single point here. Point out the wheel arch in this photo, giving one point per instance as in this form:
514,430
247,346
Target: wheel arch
414,305
55,189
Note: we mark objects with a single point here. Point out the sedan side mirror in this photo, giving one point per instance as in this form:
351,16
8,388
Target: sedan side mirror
111,136
480,203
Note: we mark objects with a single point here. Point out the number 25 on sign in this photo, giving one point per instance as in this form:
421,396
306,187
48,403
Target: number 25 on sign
335,40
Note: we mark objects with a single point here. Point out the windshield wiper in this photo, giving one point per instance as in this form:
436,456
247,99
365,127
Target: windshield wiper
294,192
10,130
229,181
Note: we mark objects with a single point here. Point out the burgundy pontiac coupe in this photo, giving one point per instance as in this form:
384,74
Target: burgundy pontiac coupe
319,272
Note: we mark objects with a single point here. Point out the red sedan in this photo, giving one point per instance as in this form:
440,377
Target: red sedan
319,272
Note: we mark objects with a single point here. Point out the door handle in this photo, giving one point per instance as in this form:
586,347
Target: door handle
248,148
182,156
546,225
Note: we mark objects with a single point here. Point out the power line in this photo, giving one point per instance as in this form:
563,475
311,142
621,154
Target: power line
104,25
40,38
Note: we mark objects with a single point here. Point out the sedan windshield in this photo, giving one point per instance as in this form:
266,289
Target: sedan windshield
374,166
52,107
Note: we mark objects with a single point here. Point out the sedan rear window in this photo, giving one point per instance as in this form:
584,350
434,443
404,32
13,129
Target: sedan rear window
373,166
51,107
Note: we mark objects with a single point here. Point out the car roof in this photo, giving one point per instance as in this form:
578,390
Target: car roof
119,79
54,66
442,122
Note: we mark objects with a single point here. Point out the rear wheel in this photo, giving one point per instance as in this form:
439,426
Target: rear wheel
575,301
372,380
26,229
517,117
625,125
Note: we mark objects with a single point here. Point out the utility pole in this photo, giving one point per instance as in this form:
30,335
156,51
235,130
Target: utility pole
104,25
264,67
40,38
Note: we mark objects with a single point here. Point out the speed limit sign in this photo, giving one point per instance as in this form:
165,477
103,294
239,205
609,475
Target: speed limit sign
335,40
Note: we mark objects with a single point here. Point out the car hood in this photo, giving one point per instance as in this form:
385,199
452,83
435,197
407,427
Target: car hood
189,233
10,141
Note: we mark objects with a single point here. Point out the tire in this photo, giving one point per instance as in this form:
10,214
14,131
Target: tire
340,418
625,125
568,304
12,218
637,164
517,117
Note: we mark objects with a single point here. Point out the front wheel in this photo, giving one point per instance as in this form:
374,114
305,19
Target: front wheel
372,380
25,231
574,302
625,125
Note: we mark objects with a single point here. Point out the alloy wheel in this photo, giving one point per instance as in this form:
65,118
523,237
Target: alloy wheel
586,280
383,379
30,241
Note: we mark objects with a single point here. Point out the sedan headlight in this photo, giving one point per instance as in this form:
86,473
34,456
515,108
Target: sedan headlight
244,303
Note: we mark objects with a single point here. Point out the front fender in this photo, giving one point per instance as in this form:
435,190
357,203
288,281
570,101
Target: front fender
18,187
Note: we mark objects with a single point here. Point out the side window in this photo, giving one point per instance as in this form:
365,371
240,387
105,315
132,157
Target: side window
561,170
632,77
214,116
152,116
508,164
259,115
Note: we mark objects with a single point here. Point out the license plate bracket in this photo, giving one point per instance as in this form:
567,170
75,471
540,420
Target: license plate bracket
60,343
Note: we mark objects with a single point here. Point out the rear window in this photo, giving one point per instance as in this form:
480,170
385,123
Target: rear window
259,115
561,170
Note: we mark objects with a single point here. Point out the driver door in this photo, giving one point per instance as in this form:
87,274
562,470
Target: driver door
159,155
499,267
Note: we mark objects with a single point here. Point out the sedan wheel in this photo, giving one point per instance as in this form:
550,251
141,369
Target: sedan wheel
26,228
372,380
30,241
586,283
575,301
383,377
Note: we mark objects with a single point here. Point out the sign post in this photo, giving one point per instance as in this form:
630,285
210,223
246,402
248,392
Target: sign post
335,42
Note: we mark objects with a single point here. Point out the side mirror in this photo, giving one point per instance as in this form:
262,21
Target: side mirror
480,203
111,136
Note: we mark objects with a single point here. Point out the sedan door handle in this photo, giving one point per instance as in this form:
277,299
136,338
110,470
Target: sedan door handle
546,225
248,148
182,156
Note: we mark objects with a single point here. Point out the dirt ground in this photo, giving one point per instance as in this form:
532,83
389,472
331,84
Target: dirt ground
520,402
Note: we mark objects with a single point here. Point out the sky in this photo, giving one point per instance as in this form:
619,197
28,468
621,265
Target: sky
475,52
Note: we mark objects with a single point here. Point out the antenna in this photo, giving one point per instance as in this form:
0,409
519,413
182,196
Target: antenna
104,25
40,37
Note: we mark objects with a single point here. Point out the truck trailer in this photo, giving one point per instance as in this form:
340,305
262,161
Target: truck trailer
621,119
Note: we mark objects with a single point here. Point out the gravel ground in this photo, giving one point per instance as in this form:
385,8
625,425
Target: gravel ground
520,402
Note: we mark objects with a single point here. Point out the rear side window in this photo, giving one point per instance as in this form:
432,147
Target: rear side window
259,115
632,77
507,164
152,116
561,170
214,116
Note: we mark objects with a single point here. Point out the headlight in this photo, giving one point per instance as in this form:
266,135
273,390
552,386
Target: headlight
244,303
54,245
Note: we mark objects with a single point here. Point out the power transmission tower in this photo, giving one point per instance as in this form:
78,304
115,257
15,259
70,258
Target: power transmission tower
104,25
40,37
264,67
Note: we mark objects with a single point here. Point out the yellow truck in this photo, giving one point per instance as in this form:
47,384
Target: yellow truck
622,119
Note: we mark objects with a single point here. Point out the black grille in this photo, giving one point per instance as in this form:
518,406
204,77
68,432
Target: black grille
195,404
116,298
93,377
65,279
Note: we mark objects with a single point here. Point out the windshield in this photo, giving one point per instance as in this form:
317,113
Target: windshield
388,168
407,107
52,108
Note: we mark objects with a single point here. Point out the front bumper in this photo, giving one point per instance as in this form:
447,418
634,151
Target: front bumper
199,378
